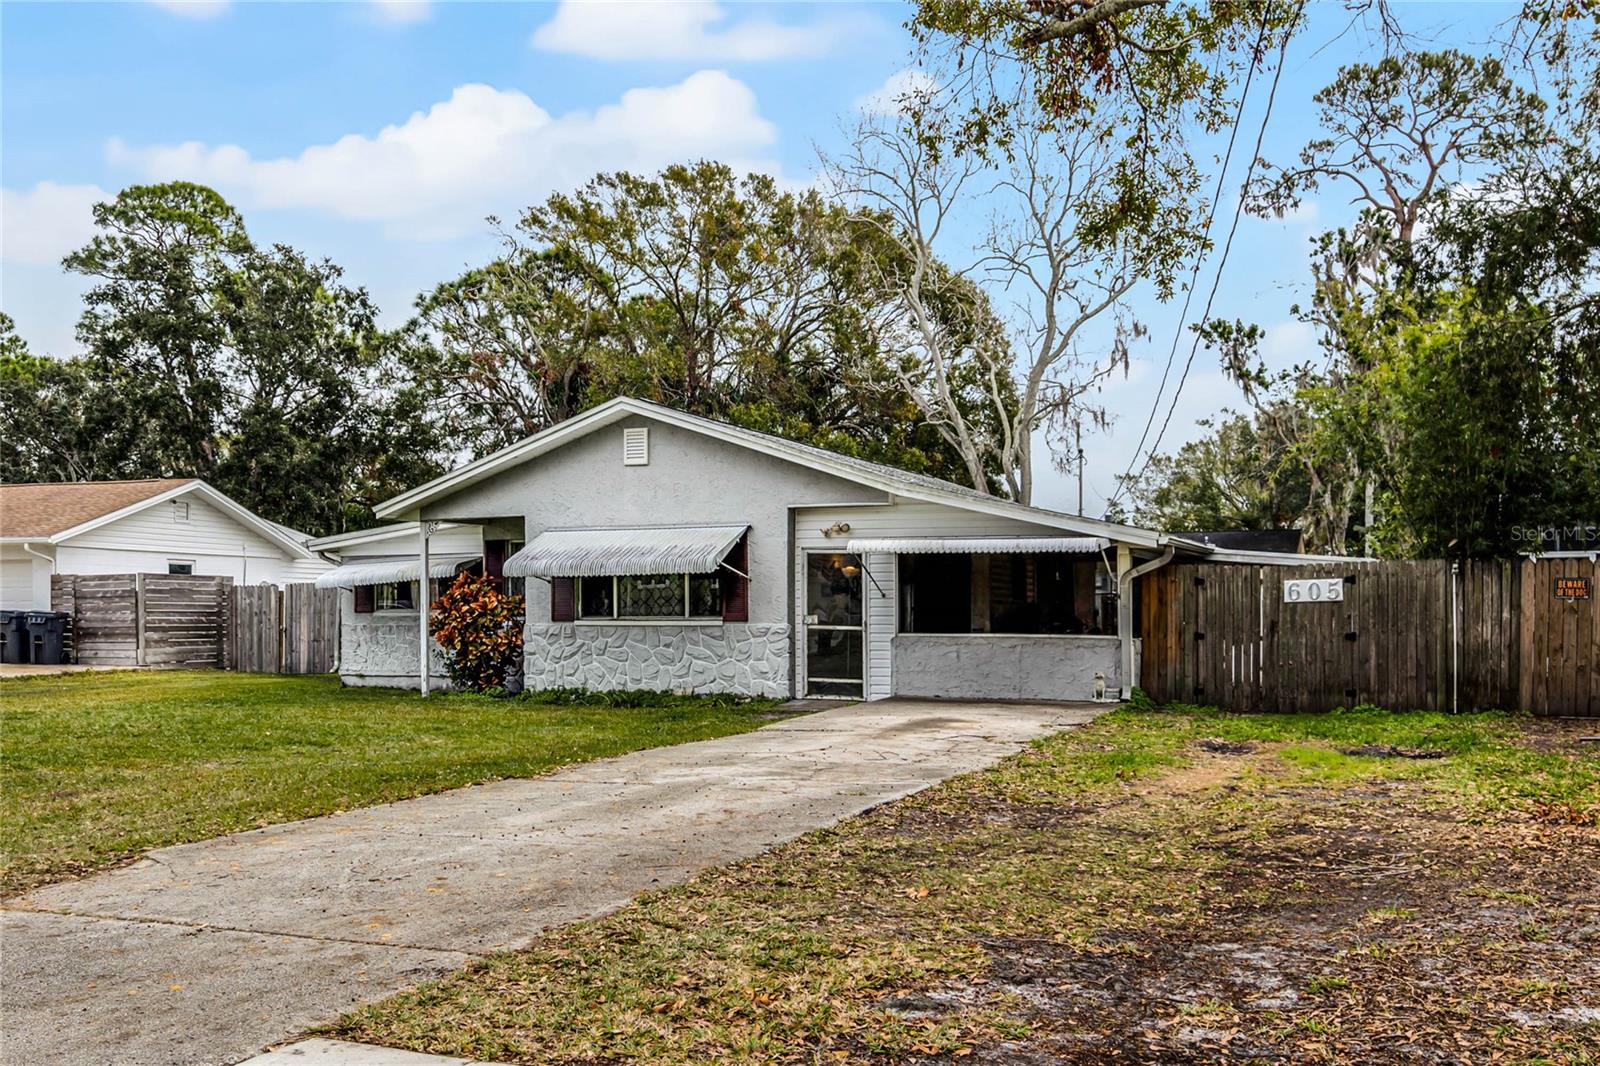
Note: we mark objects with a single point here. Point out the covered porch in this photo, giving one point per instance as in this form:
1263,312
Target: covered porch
971,617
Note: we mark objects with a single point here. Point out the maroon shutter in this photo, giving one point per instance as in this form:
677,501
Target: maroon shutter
364,599
494,558
736,588
563,599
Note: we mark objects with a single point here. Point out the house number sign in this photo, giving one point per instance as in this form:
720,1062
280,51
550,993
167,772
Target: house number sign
1314,590
1573,588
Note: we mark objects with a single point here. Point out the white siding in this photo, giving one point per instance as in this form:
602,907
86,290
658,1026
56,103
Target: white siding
24,579
147,541
882,617
881,609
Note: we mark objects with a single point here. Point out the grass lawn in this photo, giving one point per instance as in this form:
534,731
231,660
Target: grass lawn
1172,886
98,767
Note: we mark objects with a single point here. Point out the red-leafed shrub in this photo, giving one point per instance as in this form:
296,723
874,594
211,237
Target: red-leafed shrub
480,629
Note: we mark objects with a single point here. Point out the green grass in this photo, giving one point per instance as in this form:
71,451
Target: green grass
1119,841
98,767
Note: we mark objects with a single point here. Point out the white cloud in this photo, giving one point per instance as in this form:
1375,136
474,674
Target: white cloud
194,9
46,222
900,89
673,29
1283,344
400,12
484,150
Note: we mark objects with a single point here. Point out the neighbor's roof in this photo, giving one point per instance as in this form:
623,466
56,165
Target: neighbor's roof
875,475
53,512
1260,540
43,510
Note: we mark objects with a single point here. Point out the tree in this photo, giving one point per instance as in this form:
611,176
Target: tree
206,356
1457,317
722,296
66,420
1241,475
1057,249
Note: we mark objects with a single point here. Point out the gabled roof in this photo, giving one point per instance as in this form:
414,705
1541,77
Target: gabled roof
874,475
53,512
45,509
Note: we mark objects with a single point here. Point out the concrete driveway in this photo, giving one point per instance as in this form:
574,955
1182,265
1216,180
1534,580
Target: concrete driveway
207,952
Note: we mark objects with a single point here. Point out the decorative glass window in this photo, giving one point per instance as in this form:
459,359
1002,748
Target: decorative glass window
650,596
396,596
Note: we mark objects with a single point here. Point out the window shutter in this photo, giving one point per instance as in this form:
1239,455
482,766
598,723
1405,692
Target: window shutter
494,558
735,588
563,599
364,599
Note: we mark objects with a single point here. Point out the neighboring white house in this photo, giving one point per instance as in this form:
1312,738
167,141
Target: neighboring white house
157,526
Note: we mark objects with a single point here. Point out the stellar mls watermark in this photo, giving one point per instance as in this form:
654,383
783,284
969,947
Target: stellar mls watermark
1571,535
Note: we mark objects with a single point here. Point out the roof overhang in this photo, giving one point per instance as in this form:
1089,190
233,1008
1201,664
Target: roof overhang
408,505
622,552
393,531
388,570
977,545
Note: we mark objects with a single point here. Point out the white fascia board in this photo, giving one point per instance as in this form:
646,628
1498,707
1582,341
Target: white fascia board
407,504
237,512
395,531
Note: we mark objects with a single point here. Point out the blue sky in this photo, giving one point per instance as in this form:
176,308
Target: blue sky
380,134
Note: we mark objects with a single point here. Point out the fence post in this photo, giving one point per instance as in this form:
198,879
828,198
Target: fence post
138,620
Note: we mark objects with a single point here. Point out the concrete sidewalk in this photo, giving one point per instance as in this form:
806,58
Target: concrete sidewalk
206,953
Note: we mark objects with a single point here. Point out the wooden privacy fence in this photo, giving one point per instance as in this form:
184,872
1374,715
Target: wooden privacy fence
1407,635
292,630
199,622
146,619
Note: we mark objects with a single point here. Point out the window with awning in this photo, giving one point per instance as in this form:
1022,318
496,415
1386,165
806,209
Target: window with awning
656,573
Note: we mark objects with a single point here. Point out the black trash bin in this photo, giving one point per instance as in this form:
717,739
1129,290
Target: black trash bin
47,631
13,636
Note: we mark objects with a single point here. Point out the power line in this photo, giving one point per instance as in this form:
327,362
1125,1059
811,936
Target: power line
1216,281
1194,276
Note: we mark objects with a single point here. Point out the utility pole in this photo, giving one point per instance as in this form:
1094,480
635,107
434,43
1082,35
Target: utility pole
1077,431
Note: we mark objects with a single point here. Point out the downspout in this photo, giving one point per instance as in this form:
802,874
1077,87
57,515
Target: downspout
49,559
1125,580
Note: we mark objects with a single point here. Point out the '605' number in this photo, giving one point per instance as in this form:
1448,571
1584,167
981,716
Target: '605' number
1313,590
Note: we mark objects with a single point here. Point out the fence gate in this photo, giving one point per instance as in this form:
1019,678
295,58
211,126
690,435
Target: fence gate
1407,635
292,630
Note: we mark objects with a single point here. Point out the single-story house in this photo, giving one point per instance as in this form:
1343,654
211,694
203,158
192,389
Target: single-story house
661,550
155,526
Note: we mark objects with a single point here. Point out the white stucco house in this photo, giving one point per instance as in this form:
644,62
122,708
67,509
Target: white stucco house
661,550
156,526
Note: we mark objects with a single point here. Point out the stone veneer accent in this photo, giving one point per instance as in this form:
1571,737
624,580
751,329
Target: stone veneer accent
381,649
747,659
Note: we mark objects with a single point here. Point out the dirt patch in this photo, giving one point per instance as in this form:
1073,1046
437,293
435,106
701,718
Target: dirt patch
1561,736
1218,746
1358,929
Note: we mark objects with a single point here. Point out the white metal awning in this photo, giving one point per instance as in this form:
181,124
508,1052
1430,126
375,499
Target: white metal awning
618,552
382,571
977,545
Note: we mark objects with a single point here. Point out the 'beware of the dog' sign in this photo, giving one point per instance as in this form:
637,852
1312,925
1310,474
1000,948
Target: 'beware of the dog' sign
1573,588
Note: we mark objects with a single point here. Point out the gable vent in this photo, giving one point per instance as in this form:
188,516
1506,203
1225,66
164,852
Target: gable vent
636,447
